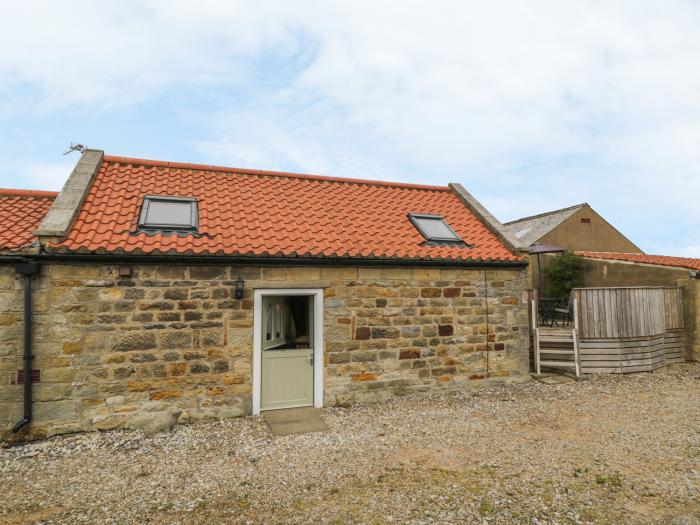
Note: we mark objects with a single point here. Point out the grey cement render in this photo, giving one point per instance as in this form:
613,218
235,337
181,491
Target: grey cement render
65,208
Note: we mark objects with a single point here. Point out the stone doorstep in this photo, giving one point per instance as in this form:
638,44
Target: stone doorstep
294,421
554,379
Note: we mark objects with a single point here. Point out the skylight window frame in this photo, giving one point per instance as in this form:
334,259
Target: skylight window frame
193,225
415,220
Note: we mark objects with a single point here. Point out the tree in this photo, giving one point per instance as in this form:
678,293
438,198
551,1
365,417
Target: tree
565,273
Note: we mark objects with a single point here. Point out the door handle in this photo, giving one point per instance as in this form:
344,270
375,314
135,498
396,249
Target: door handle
311,360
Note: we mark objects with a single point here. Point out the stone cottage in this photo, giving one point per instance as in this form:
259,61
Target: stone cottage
151,285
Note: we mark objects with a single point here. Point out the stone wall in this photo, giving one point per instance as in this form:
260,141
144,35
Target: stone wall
395,331
112,350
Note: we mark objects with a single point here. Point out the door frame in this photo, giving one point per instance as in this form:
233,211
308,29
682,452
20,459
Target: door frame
317,294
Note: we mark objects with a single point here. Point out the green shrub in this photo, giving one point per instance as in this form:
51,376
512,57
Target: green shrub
564,273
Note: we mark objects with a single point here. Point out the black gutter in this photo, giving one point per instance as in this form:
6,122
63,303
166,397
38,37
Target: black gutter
26,269
255,261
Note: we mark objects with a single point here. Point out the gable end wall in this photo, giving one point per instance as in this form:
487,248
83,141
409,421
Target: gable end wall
598,236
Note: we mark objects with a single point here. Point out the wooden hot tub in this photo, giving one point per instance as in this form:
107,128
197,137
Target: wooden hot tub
622,330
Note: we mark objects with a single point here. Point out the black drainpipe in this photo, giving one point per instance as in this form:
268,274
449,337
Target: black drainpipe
26,270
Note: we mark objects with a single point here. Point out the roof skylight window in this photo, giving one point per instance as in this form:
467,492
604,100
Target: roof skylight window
168,213
434,228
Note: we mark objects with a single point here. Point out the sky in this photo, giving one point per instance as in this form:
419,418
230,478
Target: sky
532,106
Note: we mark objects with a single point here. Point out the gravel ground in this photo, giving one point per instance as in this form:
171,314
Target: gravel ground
607,449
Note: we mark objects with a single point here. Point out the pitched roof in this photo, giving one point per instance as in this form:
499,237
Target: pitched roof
246,212
21,212
662,260
529,229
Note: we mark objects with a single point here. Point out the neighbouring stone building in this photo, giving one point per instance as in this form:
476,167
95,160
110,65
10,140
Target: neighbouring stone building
222,292
577,227
574,228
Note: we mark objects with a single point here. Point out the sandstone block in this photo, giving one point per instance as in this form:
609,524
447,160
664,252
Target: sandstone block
336,358
410,354
338,274
363,357
364,377
274,274
181,339
47,411
157,305
176,294
397,273
135,341
199,368
167,273
426,274
108,422
208,272
74,271
303,273
6,278
153,423
369,273
384,332
228,412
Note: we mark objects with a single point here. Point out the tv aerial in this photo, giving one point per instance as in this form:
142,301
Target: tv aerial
74,146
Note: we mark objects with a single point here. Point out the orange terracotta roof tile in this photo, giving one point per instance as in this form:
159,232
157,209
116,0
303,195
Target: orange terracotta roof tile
246,212
21,212
663,260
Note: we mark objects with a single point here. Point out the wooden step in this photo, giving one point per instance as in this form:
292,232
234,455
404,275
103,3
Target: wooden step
550,339
556,351
566,364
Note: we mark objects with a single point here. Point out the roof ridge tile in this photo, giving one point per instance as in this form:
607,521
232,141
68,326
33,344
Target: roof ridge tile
267,173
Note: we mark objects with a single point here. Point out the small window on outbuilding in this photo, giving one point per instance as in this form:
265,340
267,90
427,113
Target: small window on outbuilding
434,228
168,213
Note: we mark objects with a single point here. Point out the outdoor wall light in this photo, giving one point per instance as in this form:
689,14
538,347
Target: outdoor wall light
238,294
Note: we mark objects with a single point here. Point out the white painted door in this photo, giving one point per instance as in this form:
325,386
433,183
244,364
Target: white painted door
287,370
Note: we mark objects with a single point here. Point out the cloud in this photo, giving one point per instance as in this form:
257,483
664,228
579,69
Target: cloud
108,54
532,105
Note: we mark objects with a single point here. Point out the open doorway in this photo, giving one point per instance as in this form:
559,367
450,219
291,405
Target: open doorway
287,348
288,322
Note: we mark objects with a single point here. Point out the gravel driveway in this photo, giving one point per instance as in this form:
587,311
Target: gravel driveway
607,449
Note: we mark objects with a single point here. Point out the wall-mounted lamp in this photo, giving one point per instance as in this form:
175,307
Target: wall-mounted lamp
238,294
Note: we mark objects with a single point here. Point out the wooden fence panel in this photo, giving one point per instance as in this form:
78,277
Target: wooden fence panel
629,312
673,305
